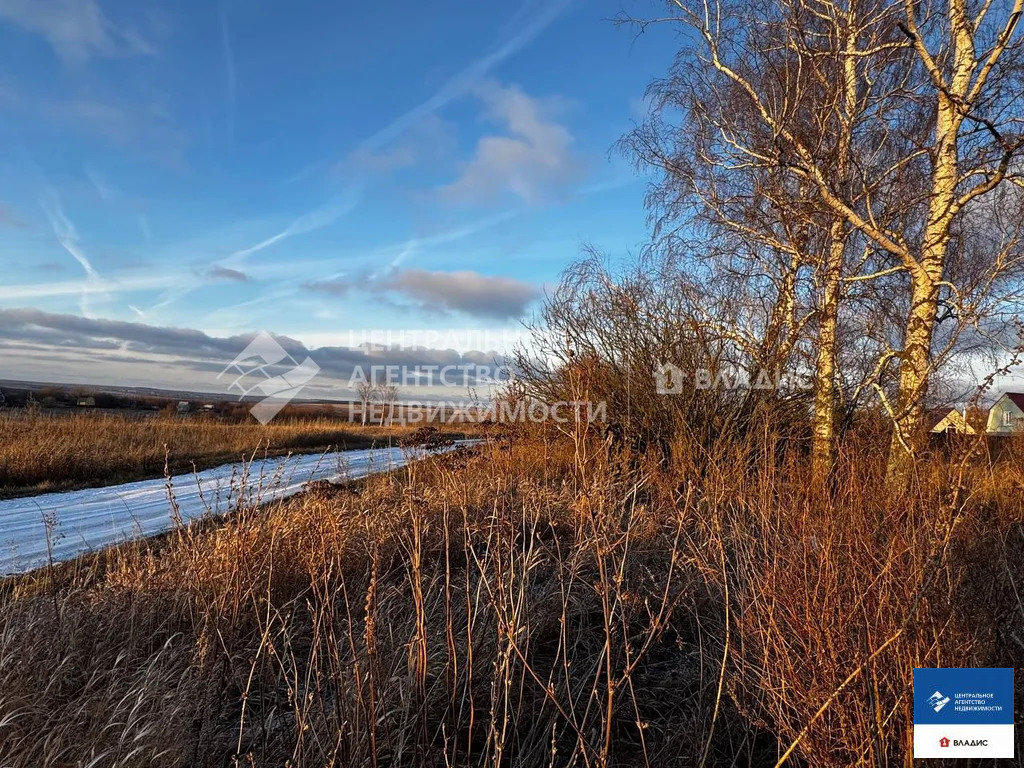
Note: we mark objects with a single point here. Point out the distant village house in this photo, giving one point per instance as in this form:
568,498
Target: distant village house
950,421
1006,416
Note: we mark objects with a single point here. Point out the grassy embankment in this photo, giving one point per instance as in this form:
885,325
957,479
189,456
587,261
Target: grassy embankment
541,602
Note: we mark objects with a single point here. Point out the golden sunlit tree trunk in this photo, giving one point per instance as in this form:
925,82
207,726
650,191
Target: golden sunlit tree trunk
824,428
831,273
956,95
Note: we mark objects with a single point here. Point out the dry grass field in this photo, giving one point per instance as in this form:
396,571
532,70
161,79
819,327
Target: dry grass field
539,601
739,466
41,452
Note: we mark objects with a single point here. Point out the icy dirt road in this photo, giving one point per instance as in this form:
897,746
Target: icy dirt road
76,522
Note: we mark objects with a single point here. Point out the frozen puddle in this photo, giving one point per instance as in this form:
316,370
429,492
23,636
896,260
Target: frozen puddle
93,518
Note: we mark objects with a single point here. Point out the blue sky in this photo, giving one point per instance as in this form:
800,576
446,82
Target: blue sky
309,168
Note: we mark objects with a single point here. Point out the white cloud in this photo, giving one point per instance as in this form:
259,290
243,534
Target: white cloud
538,16
104,188
76,29
237,263
532,18
532,160
104,286
321,217
429,140
67,236
401,252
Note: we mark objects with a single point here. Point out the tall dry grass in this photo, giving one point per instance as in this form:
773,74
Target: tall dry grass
43,452
540,602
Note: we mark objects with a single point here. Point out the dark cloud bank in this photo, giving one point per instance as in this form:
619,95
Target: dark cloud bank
31,339
465,292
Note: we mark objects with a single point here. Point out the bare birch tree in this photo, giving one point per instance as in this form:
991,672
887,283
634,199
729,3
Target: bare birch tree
725,168
364,391
388,394
898,121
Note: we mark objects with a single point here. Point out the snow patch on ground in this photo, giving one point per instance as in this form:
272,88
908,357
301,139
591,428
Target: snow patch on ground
77,522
